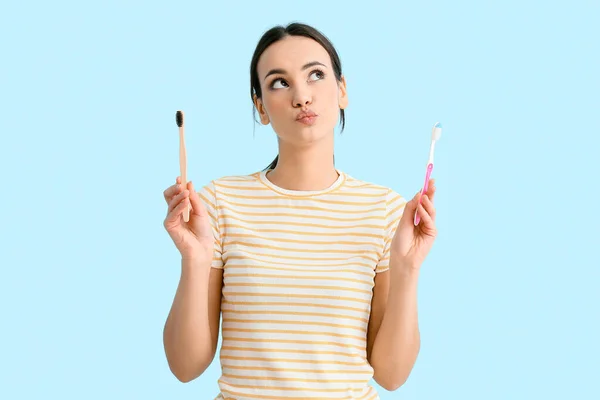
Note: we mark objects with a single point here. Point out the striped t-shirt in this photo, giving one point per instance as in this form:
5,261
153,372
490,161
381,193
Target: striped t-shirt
298,279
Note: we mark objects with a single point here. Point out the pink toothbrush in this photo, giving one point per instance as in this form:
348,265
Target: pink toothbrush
435,136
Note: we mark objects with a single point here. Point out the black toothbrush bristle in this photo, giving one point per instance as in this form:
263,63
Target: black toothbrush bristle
179,118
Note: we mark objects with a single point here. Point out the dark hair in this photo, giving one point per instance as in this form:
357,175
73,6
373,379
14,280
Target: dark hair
277,33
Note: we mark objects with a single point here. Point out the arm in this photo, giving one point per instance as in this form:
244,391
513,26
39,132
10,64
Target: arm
393,339
192,328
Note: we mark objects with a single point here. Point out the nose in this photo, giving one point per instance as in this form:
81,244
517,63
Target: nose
302,97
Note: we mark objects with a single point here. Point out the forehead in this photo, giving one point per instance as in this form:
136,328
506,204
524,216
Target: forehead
291,53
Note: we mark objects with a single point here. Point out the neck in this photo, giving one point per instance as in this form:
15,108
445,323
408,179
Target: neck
305,169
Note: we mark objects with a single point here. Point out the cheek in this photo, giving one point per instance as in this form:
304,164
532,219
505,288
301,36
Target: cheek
274,103
330,98
331,92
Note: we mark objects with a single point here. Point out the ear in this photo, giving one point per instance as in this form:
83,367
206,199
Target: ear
342,93
264,117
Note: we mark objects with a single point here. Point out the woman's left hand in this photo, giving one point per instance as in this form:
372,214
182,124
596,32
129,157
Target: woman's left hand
411,243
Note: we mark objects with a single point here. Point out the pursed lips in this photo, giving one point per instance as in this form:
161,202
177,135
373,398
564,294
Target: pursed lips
306,117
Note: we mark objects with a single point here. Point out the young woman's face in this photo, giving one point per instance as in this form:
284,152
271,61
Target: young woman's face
301,97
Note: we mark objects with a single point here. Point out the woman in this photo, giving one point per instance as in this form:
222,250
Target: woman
315,272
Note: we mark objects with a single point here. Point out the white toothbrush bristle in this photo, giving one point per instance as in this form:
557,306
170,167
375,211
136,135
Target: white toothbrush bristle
437,132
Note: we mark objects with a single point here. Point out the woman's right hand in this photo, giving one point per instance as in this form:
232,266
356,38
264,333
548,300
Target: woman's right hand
193,239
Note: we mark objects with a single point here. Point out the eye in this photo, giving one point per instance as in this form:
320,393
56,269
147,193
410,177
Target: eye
317,75
274,84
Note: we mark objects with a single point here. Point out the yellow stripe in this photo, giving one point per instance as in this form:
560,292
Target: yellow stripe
396,211
372,394
285,286
294,351
305,258
272,312
269,303
302,242
298,207
284,370
369,204
312,271
303,224
287,379
248,187
307,233
286,388
294,296
297,250
299,277
345,263
378,194
294,332
222,208
290,360
281,322
270,341
265,397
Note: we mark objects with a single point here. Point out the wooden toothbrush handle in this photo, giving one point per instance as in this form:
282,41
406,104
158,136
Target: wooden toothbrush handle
183,169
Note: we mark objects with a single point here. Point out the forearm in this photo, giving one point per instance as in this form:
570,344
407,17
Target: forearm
397,343
187,336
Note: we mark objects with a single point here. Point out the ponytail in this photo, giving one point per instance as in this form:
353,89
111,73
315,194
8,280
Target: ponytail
274,163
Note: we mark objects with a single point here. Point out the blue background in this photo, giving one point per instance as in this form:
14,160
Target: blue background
509,295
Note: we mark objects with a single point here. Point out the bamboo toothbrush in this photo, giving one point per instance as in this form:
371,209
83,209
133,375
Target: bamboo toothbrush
182,159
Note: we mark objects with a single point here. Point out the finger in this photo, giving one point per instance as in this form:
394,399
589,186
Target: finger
425,217
178,199
431,188
177,211
429,207
175,200
431,183
171,191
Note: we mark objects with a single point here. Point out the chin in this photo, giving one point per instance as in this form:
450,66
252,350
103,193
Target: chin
311,134
300,134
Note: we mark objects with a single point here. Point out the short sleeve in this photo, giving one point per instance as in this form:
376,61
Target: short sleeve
208,196
394,208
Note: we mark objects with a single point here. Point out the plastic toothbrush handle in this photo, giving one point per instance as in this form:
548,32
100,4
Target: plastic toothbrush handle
417,218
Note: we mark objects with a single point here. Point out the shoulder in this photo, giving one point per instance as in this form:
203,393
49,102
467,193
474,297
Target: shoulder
389,199
235,182
232,179
230,183
375,189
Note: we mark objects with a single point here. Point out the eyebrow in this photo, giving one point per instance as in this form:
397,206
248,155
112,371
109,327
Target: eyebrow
282,71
